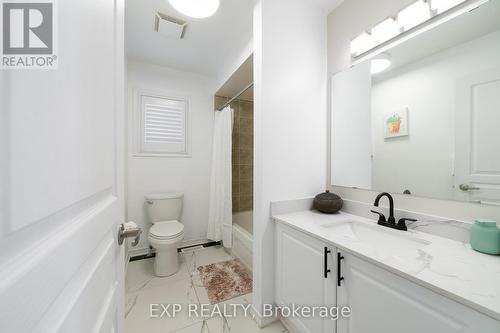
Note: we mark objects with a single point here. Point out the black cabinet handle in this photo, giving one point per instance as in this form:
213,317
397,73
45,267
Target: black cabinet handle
325,269
339,273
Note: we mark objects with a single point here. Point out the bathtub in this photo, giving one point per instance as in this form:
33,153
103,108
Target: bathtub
242,237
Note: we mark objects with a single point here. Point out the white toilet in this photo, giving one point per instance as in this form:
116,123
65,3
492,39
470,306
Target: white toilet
164,210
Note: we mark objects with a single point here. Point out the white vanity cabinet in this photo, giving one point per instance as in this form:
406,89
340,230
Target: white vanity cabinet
300,277
383,302
380,301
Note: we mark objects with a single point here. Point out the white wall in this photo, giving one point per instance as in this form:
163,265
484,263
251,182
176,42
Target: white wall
189,175
230,67
289,119
5,151
345,23
429,89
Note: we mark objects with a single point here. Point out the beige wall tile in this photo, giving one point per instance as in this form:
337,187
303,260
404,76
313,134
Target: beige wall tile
235,155
242,159
246,109
246,172
246,156
246,188
236,201
246,203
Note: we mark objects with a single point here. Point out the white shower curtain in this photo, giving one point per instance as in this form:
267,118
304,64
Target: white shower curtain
220,214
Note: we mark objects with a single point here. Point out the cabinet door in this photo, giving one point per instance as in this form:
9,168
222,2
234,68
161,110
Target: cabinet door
382,302
300,277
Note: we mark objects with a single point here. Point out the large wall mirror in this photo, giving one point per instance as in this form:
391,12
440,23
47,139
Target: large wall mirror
423,118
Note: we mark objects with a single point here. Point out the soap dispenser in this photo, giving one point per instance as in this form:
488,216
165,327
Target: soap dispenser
485,236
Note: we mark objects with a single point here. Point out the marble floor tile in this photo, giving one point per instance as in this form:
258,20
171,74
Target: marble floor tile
204,256
130,302
242,324
199,327
184,288
175,292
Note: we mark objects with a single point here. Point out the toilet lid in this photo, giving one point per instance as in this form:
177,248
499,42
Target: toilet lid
166,229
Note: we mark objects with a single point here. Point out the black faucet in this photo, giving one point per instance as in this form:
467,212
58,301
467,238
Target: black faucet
391,221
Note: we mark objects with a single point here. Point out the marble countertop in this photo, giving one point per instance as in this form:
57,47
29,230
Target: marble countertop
448,267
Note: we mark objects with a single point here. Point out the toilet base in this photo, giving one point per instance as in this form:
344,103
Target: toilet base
166,262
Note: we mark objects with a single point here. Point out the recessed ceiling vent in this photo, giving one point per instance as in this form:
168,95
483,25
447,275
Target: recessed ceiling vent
169,26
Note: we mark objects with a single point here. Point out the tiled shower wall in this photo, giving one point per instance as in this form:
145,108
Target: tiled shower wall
242,153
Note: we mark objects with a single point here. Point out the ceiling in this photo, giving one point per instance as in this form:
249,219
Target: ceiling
238,81
208,45
327,5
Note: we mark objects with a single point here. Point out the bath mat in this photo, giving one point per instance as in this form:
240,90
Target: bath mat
225,280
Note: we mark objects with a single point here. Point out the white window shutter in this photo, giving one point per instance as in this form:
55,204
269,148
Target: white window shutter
164,125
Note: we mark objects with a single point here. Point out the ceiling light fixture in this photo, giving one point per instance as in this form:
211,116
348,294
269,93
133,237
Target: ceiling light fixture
196,8
380,63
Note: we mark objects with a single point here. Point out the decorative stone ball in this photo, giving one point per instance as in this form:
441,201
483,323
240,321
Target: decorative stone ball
327,202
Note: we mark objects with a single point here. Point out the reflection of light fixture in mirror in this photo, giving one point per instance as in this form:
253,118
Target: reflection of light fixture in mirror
418,17
362,43
440,6
380,63
196,8
386,30
414,14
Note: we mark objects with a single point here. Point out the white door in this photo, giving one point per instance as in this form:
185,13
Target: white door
302,277
382,302
61,180
477,164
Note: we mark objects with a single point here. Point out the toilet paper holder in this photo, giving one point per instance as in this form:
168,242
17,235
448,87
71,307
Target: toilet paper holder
129,230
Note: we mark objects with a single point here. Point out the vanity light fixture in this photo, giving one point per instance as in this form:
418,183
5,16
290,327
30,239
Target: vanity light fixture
380,63
414,14
362,43
410,21
440,6
196,8
385,30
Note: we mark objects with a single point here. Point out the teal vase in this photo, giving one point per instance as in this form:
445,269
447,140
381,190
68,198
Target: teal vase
485,236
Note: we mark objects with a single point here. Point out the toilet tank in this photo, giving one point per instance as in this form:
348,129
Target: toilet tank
164,206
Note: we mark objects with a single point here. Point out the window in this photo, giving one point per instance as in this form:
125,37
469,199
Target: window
163,125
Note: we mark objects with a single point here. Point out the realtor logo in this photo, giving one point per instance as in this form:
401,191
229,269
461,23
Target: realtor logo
28,30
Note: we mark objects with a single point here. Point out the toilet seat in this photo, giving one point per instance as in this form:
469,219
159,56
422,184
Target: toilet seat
166,230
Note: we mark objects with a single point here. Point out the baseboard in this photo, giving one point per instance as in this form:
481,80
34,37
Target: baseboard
263,321
194,242
237,255
289,325
138,251
141,251
146,253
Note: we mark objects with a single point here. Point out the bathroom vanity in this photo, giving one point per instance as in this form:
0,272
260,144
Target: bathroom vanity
393,281
424,125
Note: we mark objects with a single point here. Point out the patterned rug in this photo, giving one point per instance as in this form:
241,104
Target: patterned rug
225,280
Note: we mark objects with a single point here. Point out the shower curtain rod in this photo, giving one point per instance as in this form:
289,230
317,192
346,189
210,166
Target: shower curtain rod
235,97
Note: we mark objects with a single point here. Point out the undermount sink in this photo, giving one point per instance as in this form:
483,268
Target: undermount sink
378,237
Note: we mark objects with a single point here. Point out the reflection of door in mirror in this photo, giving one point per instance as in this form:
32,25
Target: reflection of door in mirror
477,156
351,129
